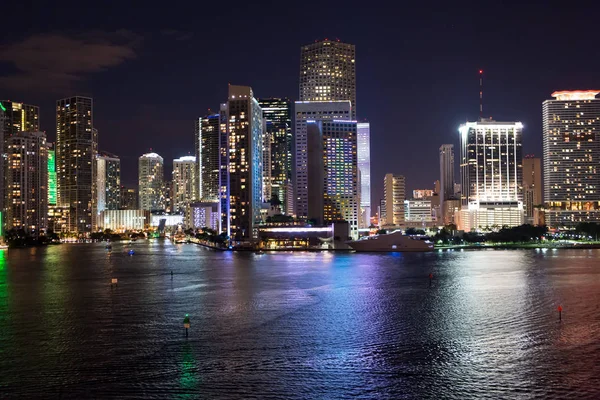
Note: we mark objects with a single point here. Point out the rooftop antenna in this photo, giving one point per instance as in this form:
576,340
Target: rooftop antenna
481,95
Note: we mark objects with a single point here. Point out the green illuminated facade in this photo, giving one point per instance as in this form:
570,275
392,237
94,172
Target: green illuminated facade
51,177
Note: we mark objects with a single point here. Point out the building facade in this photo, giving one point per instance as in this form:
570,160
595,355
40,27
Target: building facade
184,178
27,182
446,172
203,215
328,72
306,113
52,186
108,181
417,212
124,220
207,157
491,174
14,118
532,185
76,149
277,113
364,167
151,182
129,198
241,164
394,195
571,124
333,173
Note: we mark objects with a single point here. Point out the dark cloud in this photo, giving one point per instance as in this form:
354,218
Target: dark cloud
56,62
177,35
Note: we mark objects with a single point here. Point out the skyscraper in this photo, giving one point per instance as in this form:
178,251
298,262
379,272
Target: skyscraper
184,176
446,172
364,167
532,185
129,198
207,157
328,72
241,164
333,173
266,162
308,112
278,115
14,118
491,174
151,182
394,194
76,146
19,117
108,182
571,125
52,190
27,181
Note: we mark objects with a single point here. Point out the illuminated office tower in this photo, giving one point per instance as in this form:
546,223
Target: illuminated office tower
328,72
278,116
364,167
15,117
571,125
532,185
309,112
108,181
52,191
129,198
491,169
394,195
151,182
241,164
266,163
184,176
27,182
446,172
76,147
333,173
207,157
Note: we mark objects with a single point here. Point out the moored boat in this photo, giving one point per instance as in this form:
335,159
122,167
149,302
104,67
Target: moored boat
395,241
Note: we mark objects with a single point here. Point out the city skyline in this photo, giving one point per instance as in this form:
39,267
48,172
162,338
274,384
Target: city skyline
125,105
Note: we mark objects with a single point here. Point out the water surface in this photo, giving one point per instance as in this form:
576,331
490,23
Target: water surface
297,325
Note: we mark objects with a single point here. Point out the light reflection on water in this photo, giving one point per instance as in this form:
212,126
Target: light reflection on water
298,325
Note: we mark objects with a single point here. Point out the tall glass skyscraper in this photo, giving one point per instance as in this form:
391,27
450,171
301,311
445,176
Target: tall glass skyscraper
241,164
52,192
151,183
278,116
328,72
27,176
491,167
571,125
310,112
364,167
108,182
207,157
76,147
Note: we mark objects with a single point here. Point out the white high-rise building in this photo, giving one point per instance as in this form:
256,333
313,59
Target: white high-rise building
307,112
108,182
364,167
491,174
184,179
328,72
151,182
571,125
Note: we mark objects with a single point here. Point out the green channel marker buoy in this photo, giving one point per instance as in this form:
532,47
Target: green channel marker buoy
186,324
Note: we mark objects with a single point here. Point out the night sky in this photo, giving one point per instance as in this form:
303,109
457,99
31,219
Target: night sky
151,70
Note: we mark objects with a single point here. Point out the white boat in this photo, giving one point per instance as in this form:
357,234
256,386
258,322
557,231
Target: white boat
395,241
